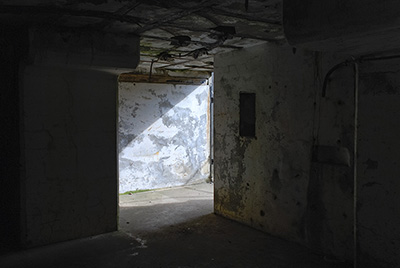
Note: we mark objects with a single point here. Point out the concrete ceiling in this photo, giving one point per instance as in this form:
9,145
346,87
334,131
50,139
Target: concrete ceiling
176,35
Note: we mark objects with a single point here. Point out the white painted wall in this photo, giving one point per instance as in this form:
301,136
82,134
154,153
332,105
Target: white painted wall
163,135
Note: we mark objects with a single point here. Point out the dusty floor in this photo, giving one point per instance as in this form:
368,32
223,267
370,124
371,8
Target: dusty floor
172,228
150,211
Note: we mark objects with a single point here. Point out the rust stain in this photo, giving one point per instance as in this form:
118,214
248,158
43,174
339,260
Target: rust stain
147,155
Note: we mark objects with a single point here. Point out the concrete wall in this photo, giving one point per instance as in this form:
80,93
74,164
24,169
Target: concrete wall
355,28
331,186
329,217
263,181
270,182
67,165
163,135
378,180
69,130
277,182
342,25
13,43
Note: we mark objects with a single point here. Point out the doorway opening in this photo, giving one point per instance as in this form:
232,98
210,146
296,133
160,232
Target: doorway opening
164,151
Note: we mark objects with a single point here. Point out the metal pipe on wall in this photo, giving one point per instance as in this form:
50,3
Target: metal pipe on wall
211,92
356,88
355,62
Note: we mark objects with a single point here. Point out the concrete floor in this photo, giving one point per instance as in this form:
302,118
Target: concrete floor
149,211
172,228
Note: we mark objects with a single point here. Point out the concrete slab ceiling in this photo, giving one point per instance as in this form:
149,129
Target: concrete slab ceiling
176,35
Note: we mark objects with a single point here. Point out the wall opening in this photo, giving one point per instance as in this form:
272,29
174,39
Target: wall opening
164,151
247,110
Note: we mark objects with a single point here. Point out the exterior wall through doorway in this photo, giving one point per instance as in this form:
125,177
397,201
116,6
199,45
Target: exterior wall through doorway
163,135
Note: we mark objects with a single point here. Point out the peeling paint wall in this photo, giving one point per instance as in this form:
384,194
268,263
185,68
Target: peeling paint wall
270,182
163,135
69,137
276,183
263,181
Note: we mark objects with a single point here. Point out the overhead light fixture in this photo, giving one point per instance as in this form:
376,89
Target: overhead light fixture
223,32
180,40
165,56
199,52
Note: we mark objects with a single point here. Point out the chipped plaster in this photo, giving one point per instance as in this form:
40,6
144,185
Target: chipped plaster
163,132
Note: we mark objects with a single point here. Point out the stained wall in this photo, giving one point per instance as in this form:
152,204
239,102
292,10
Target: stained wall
69,136
13,47
272,182
365,30
263,181
164,135
290,180
68,133
378,164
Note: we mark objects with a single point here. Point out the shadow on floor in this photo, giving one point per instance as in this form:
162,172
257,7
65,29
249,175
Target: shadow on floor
174,229
143,219
213,241
206,241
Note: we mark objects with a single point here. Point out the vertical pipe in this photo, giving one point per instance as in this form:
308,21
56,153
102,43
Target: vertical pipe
151,70
356,91
211,177
356,88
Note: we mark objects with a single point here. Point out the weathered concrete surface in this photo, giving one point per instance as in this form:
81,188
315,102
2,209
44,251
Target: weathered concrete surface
358,26
329,217
70,165
63,132
12,47
151,211
163,135
378,181
205,242
331,186
84,49
263,181
150,221
270,182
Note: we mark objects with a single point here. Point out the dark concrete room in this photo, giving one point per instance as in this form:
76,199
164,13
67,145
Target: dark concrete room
232,133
